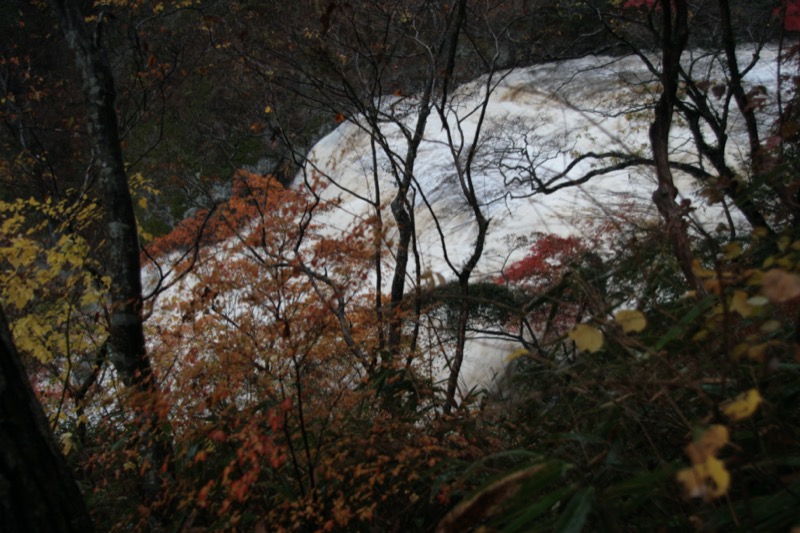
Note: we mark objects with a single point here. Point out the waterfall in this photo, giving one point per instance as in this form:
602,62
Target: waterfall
539,121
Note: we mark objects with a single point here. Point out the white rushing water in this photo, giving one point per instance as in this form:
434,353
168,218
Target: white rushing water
546,114
541,117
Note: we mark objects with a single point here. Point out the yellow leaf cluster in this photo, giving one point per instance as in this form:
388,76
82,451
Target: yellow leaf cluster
516,354
141,188
52,296
707,478
743,406
739,304
732,250
701,272
710,443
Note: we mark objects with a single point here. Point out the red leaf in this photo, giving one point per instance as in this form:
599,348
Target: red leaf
790,10
638,3
545,261
218,435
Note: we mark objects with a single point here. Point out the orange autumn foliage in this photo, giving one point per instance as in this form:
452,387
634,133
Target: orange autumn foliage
271,406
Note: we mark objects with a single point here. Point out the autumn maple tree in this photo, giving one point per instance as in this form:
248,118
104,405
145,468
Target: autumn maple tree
268,371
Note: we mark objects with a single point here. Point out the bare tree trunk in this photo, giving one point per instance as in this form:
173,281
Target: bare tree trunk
403,214
126,339
378,249
468,190
400,205
37,491
700,114
465,177
759,161
674,33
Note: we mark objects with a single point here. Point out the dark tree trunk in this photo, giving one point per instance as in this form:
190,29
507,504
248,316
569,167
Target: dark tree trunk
126,339
127,336
464,173
674,35
403,213
759,159
701,114
401,208
37,491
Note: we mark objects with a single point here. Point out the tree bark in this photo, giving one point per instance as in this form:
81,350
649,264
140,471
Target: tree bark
127,335
468,189
126,343
401,209
37,490
673,40
759,160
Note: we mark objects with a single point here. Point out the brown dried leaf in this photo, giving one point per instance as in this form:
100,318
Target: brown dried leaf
780,286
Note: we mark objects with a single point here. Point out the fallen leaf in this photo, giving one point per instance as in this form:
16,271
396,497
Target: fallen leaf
780,286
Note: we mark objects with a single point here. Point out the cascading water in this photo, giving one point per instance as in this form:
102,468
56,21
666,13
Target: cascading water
541,125
538,122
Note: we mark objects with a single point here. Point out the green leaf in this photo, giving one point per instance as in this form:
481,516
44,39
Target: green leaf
576,512
540,506
678,329
495,497
641,482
